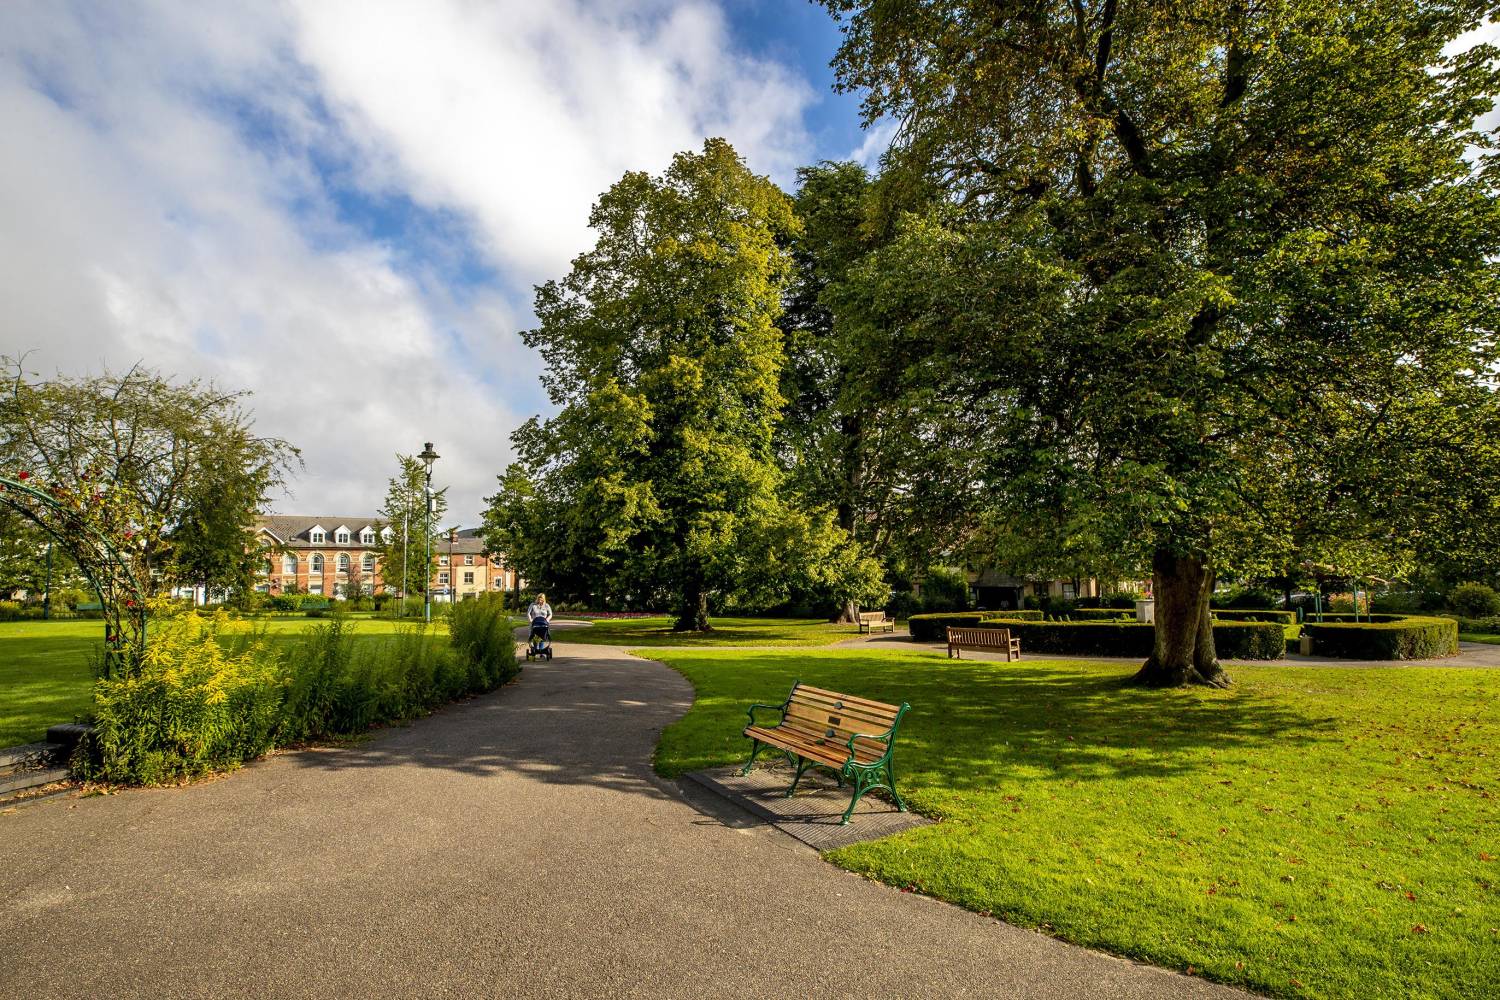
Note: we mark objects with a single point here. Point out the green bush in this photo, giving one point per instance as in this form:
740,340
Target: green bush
212,693
1103,614
205,699
1232,640
1256,615
1474,600
1414,638
930,627
1481,626
944,589
287,602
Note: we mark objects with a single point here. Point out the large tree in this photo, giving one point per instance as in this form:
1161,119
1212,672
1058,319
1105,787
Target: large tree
1221,274
657,479
404,518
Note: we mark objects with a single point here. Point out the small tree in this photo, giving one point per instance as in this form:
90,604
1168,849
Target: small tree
1474,600
404,518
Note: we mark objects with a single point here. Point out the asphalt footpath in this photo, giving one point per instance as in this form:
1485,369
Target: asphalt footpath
514,845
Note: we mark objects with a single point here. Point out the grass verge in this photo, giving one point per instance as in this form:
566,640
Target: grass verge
44,668
1317,832
726,632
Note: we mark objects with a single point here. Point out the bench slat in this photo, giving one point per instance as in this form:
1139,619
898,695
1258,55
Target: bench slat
846,703
826,715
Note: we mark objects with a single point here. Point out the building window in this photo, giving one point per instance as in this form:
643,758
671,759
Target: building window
442,560
289,564
317,537
342,538
1068,592
468,578
386,533
443,579
368,563
317,562
367,537
315,588
468,560
343,562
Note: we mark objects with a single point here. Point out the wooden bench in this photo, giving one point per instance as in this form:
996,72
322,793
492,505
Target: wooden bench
849,736
986,639
871,621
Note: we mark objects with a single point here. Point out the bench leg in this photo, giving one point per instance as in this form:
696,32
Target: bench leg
802,765
890,778
753,751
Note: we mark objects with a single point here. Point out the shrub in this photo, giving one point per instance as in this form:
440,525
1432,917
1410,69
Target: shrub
286,602
205,699
1232,640
1412,638
1482,626
1474,600
1103,614
484,640
944,589
1257,615
929,627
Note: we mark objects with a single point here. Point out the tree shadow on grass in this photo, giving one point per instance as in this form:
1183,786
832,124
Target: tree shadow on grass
973,722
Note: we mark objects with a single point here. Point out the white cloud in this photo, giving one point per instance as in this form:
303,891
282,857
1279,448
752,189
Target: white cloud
166,196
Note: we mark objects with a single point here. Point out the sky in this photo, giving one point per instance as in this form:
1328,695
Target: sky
343,205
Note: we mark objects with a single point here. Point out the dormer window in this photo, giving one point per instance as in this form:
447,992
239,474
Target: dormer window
386,533
367,537
316,536
341,535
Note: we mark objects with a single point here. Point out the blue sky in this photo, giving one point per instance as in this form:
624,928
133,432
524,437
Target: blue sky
342,205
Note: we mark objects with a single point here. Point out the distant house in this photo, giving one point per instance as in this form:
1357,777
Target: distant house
994,590
329,555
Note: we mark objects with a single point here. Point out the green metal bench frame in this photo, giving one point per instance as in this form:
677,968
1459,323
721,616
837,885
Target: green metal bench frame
864,777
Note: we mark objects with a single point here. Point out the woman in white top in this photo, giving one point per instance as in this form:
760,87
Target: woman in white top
540,614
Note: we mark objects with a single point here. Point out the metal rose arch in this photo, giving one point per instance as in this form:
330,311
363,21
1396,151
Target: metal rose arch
96,524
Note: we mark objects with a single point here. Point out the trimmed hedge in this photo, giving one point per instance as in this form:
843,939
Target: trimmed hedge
1101,615
1344,616
1256,615
1408,638
930,627
1232,640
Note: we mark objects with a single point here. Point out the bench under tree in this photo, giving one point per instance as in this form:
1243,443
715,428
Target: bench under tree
849,736
875,621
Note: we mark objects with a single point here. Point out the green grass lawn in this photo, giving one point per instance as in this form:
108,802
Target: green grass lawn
726,632
1314,831
45,675
1493,640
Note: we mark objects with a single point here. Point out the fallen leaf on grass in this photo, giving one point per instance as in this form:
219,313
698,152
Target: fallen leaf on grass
1419,929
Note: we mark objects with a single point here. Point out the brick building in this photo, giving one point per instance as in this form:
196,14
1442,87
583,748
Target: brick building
331,556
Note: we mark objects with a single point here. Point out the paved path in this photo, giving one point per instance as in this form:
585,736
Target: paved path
516,845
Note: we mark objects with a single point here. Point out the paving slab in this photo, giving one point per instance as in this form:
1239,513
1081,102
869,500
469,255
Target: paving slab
814,814
513,845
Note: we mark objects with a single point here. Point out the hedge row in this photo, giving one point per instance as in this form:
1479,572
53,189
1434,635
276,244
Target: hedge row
1407,638
930,627
1232,640
1255,615
1101,615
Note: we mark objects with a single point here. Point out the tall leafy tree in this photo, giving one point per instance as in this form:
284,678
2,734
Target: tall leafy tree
1219,274
215,544
404,513
657,479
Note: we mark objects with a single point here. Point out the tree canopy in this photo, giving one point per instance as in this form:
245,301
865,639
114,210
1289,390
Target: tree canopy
1218,278
403,513
657,480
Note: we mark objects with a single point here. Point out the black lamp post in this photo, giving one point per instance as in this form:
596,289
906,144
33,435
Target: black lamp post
428,456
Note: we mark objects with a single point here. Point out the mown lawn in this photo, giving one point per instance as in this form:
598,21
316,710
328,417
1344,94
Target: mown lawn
45,674
1314,831
1493,640
726,632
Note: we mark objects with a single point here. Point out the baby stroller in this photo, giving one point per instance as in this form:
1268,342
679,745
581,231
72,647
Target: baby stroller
540,642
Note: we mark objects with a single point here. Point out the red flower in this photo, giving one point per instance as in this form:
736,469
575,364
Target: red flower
23,475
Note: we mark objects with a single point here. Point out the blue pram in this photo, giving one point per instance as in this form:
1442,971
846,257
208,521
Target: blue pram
540,641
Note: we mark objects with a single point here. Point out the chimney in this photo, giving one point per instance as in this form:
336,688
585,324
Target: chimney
452,534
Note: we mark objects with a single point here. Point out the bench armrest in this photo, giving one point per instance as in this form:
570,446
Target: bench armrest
779,709
884,739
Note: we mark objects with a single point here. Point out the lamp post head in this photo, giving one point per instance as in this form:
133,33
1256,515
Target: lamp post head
428,456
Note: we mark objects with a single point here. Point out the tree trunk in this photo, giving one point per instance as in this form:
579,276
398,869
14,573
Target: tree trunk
846,615
693,616
1184,648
